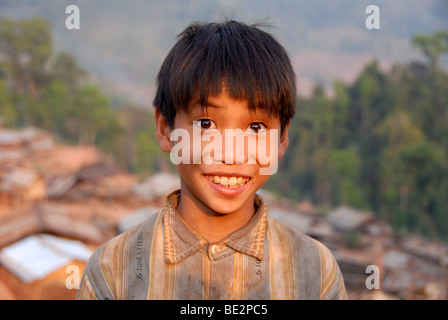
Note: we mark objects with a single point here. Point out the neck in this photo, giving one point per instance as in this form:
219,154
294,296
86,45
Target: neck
213,226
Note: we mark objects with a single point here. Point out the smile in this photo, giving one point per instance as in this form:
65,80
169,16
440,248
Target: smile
229,182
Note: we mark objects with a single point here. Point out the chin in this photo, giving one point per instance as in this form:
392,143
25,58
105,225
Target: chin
225,207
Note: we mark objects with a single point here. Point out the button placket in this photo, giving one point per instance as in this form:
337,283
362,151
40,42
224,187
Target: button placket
215,250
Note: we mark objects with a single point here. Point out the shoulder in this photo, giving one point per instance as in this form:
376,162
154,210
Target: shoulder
314,260
332,282
106,267
287,235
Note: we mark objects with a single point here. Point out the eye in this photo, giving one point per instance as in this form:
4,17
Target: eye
257,127
205,124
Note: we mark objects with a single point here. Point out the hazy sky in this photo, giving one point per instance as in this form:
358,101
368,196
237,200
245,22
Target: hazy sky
123,42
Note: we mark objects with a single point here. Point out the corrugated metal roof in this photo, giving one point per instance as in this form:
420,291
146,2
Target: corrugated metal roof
37,256
157,185
394,260
61,184
11,155
296,220
346,218
20,177
136,217
10,137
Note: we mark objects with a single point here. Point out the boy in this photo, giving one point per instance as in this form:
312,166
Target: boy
214,239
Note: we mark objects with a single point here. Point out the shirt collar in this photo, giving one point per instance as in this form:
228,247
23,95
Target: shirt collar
181,240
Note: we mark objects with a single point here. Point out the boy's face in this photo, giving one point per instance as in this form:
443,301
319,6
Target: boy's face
219,179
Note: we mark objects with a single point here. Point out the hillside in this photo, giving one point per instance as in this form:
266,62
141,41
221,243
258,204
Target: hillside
122,43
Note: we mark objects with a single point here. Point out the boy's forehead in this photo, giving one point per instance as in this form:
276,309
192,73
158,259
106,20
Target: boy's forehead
221,100
224,102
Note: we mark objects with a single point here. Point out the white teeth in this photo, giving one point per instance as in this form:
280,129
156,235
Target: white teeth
231,182
224,181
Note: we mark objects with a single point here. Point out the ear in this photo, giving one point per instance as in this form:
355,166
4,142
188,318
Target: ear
284,141
163,131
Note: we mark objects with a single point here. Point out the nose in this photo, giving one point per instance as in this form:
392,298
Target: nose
234,146
230,147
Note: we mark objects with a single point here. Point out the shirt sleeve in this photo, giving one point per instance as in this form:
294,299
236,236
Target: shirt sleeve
332,282
86,291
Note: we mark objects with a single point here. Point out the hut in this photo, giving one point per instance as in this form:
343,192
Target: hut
43,267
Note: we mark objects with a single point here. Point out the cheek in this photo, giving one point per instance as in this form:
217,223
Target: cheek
264,151
189,174
185,147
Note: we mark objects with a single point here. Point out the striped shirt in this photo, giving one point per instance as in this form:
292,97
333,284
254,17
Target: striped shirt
165,258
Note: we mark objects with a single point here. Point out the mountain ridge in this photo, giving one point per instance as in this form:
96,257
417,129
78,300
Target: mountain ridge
123,43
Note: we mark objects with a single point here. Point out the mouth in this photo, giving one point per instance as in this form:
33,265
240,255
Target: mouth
231,182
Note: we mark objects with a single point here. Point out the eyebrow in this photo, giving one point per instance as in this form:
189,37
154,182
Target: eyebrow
198,105
213,105
262,114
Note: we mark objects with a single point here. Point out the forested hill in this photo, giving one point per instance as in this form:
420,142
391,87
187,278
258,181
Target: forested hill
380,144
123,42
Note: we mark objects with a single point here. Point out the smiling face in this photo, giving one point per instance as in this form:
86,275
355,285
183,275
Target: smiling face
222,187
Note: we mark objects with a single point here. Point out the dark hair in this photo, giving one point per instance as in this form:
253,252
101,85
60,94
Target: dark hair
252,64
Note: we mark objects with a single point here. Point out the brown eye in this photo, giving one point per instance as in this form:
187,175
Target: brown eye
257,127
205,124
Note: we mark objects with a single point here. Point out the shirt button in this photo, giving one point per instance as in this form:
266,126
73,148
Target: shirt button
215,248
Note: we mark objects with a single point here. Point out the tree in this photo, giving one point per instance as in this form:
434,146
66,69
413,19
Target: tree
27,46
52,109
423,167
65,69
432,46
8,114
88,115
397,131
